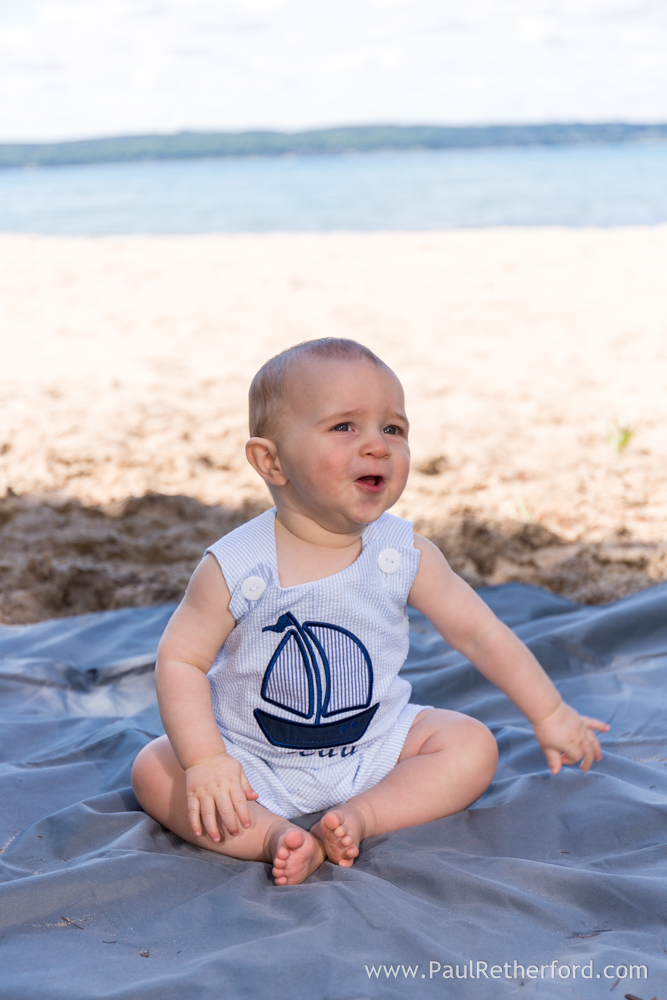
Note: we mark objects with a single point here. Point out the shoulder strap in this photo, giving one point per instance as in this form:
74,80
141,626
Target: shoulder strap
391,531
246,551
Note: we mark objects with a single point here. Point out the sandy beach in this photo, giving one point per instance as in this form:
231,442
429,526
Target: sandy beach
535,368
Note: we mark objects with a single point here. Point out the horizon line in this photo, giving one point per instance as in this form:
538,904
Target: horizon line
196,144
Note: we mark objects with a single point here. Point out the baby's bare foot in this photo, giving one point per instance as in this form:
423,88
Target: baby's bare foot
295,854
341,831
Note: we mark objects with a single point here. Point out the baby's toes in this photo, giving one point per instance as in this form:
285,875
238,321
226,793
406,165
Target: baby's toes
294,839
331,822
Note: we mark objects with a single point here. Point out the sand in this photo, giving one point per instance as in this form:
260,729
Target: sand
535,367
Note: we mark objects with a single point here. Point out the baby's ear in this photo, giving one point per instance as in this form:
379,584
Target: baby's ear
262,454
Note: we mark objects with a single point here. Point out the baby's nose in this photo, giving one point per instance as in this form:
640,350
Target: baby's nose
376,444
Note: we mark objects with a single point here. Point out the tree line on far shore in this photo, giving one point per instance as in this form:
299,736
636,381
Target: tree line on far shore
358,139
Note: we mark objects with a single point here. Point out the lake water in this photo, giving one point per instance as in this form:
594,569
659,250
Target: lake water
593,185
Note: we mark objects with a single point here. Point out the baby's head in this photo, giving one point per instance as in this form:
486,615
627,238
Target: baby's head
329,432
275,389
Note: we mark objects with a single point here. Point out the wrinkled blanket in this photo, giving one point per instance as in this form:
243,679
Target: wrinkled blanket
546,887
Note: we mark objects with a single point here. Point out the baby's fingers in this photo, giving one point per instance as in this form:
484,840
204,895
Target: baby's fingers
554,759
591,752
241,806
250,793
603,727
228,814
209,818
193,815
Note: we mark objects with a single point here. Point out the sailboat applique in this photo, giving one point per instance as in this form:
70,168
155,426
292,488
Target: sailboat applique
317,671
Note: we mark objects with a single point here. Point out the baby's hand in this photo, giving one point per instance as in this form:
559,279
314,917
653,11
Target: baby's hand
566,737
218,783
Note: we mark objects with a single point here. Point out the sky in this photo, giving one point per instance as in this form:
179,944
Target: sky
79,68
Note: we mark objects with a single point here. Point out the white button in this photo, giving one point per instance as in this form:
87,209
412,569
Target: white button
389,560
253,588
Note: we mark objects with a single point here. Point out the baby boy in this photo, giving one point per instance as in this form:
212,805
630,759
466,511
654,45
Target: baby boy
277,676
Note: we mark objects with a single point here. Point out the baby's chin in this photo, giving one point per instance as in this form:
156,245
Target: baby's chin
346,519
367,508
344,510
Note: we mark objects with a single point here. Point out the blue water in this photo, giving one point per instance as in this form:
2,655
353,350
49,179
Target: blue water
596,185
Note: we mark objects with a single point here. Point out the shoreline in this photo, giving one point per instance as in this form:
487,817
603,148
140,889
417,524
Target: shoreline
312,142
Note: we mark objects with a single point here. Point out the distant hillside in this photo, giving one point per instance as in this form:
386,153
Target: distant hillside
362,139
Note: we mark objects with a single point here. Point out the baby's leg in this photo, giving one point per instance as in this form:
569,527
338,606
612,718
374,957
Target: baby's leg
447,761
158,781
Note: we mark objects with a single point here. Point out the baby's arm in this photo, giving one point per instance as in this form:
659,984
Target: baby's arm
470,626
195,633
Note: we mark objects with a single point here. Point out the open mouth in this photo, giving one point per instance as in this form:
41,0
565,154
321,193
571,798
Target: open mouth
372,484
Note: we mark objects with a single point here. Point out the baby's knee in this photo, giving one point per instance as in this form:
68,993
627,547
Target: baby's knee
484,746
143,773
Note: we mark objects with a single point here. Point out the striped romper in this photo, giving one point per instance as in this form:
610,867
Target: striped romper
305,688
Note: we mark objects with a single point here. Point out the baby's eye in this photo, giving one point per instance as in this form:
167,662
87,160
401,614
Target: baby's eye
342,427
392,429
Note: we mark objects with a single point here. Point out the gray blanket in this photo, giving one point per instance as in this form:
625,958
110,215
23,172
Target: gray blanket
546,887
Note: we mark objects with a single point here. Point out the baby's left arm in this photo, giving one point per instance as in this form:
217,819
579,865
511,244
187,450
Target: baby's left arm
470,626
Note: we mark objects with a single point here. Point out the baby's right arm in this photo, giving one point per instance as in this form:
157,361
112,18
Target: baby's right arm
195,633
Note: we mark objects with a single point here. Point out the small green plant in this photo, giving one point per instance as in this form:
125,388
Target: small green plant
621,436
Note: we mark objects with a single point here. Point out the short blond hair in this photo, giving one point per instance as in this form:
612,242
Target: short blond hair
267,394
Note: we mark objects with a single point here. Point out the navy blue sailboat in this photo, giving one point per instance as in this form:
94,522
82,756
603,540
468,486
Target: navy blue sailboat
317,671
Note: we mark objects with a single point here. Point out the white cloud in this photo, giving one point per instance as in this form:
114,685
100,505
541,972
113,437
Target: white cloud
73,68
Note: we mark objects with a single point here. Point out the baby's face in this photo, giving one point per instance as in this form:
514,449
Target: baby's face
344,443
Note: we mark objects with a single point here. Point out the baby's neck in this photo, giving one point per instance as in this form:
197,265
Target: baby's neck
306,551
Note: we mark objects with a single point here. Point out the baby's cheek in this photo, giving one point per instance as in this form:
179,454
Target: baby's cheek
324,482
328,475
311,479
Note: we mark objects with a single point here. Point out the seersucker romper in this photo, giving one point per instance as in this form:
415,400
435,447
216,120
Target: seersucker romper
305,688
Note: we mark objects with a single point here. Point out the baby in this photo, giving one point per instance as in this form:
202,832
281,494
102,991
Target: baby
277,676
